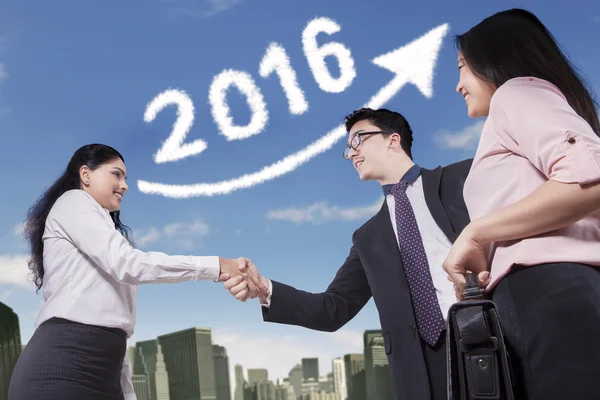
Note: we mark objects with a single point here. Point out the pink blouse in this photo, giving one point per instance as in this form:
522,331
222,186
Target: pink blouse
530,136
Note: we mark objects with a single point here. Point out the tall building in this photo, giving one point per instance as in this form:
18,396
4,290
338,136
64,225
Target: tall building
10,347
285,391
377,371
249,392
321,396
239,382
368,335
221,372
310,368
339,378
326,383
189,359
295,377
149,361
131,357
161,376
264,390
355,376
141,387
257,375
359,386
281,381
309,386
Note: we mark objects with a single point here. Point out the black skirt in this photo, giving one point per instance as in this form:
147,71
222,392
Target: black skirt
550,315
66,360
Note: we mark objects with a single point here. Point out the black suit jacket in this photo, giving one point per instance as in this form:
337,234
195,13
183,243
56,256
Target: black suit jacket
374,268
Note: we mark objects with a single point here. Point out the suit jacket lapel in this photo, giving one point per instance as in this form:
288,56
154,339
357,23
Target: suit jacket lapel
387,236
431,187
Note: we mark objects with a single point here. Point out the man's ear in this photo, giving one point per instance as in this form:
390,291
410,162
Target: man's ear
394,140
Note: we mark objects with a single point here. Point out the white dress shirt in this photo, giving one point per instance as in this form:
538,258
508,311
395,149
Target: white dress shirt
436,244
92,273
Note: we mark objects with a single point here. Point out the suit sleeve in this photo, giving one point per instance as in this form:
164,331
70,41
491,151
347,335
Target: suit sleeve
346,295
451,193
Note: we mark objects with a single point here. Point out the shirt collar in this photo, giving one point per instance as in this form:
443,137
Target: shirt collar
96,203
410,176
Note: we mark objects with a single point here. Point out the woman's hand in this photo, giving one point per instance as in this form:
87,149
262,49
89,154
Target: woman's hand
467,254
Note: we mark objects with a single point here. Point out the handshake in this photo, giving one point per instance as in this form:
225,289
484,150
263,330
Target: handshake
243,280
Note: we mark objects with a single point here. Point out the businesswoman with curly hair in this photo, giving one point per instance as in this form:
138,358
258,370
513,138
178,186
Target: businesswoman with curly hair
82,258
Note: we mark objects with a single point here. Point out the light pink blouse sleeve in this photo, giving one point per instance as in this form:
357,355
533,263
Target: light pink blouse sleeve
534,120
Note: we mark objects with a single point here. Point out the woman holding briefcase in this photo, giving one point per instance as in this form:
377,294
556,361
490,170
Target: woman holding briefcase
533,195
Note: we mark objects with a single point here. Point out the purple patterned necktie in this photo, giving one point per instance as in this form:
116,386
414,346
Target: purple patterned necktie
430,320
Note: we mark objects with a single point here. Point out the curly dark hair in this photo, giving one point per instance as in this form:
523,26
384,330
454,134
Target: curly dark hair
92,156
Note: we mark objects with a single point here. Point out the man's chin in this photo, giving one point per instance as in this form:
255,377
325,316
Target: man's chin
365,176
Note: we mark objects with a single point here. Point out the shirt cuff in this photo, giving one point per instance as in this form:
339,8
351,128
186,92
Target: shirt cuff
268,303
581,161
207,268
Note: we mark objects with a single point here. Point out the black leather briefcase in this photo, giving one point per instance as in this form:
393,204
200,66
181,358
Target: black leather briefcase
478,363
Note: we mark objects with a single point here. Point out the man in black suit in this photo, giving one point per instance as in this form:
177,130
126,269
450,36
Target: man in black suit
396,257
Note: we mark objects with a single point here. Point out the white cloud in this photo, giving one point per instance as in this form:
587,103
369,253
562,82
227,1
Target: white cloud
144,237
200,9
217,6
19,229
321,212
350,339
3,73
197,227
466,139
5,295
14,271
186,234
187,244
4,108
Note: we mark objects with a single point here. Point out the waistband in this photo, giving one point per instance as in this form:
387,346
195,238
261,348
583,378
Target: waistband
520,267
62,321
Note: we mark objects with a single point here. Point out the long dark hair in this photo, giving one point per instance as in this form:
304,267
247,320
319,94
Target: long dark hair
91,155
515,43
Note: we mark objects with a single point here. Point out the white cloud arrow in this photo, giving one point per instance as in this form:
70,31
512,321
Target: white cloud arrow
412,63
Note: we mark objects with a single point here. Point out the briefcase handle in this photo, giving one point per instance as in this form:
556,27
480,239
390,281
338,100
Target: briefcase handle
473,291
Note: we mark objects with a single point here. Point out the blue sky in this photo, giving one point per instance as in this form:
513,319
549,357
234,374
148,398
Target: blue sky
73,73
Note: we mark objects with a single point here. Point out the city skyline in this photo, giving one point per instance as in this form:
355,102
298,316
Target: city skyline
251,375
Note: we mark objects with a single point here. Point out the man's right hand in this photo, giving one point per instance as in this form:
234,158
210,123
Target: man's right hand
240,286
242,279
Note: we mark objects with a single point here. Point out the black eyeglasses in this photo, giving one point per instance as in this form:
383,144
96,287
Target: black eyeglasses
356,141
